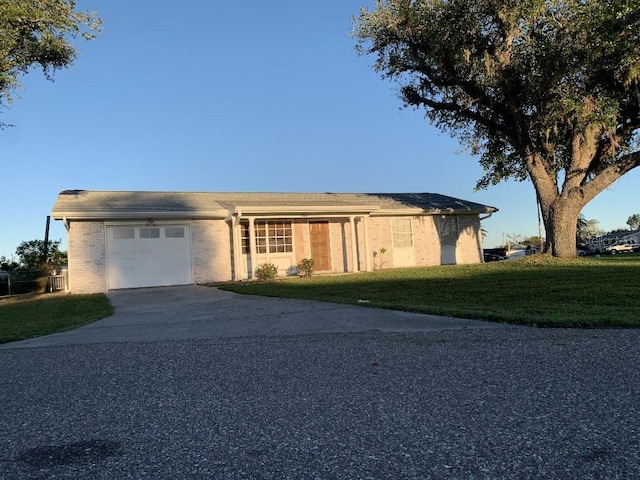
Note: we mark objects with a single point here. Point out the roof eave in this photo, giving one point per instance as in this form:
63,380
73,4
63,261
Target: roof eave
261,210
57,215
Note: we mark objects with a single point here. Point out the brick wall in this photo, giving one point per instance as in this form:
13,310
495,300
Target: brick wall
426,241
211,250
469,248
87,257
380,237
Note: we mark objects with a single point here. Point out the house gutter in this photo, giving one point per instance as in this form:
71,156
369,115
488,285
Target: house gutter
68,216
302,209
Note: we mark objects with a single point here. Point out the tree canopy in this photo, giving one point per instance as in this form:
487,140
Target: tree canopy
634,221
38,34
35,255
587,229
545,90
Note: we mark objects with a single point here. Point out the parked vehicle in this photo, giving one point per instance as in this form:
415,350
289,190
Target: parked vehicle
623,246
494,254
492,257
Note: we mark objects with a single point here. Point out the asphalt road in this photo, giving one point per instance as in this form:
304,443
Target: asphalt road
406,400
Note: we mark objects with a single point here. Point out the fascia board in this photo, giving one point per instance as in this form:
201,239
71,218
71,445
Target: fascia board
133,215
305,209
420,211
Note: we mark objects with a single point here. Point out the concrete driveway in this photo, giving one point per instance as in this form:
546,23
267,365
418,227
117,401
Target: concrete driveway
197,312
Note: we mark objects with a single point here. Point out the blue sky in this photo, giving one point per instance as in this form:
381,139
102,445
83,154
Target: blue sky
237,96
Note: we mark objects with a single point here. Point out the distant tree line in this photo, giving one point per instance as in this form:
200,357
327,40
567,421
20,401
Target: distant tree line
35,255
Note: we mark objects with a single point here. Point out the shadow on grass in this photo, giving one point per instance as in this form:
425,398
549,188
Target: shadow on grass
39,315
537,290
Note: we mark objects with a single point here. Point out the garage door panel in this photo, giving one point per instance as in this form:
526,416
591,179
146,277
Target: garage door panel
147,261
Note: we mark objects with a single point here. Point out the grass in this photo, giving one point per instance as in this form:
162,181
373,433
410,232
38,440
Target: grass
36,315
535,290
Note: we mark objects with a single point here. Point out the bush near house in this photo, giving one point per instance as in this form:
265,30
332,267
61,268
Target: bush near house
305,267
266,271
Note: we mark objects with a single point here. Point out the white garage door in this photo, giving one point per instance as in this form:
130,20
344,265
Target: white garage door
148,256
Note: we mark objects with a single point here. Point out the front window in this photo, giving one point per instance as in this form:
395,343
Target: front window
280,237
402,235
271,237
245,238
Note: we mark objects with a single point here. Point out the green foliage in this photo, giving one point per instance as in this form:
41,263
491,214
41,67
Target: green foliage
541,90
587,229
534,241
45,314
266,272
32,256
7,264
634,221
536,289
39,34
305,267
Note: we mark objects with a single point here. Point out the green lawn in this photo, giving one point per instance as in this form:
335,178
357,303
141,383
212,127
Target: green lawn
536,290
35,315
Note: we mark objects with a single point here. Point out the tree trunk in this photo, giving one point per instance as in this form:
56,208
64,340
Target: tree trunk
560,222
560,210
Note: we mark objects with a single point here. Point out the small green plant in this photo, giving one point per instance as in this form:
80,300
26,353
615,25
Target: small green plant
266,271
380,254
305,267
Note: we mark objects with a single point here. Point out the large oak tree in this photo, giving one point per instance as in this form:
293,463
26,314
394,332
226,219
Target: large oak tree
38,33
546,90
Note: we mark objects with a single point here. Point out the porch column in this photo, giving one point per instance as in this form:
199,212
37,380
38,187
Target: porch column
354,246
252,246
367,247
236,245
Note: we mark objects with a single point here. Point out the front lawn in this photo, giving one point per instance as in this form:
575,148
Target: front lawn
36,315
536,290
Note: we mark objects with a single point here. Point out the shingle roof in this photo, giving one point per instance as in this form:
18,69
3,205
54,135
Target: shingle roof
113,203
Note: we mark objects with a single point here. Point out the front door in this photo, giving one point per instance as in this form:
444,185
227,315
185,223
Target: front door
320,245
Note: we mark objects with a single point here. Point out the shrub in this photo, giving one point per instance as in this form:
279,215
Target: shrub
305,267
266,271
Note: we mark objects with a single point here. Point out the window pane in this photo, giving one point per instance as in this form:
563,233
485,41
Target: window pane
261,245
149,233
280,237
244,236
402,236
174,232
123,233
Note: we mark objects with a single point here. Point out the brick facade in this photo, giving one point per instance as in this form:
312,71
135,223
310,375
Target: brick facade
212,252
86,242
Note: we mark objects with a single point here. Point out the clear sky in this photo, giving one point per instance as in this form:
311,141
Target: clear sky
237,96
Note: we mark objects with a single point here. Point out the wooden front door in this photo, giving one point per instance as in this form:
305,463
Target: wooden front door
320,245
